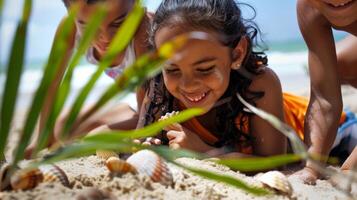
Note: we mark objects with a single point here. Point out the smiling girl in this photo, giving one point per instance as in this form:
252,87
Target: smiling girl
208,72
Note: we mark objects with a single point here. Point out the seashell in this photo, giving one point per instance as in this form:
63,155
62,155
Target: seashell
277,181
149,163
116,165
4,181
104,154
52,173
26,179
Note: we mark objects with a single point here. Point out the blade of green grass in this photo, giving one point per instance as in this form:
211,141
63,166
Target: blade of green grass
147,131
58,49
120,41
64,89
229,180
1,6
259,164
81,149
14,71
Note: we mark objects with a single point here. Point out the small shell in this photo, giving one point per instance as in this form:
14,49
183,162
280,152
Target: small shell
4,184
149,163
277,181
104,154
116,165
52,173
26,179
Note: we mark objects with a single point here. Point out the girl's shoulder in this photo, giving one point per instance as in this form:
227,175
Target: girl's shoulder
267,80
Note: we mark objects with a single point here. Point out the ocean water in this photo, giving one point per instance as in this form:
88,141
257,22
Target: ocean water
288,60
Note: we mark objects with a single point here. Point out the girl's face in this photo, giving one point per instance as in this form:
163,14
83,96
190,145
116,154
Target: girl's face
118,10
340,13
198,75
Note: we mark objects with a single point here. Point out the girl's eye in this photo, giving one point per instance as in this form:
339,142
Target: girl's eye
116,25
171,71
206,70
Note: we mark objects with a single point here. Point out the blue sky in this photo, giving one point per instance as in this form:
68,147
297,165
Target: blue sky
276,19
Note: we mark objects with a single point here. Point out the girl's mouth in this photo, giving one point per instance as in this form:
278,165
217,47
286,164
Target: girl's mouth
340,5
197,98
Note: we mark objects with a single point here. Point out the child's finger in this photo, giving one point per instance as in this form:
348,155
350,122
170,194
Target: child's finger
174,146
174,127
171,135
136,141
146,143
156,141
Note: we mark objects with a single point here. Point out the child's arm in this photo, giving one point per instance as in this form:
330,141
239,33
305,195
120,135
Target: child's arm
325,104
267,140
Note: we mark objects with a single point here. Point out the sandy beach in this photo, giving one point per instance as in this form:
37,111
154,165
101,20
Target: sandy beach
90,178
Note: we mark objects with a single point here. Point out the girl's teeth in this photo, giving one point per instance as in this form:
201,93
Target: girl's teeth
341,4
196,99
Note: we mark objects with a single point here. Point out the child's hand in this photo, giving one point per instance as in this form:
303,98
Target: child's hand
307,175
148,141
180,137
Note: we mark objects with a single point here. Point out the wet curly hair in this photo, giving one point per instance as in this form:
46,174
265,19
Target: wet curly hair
224,17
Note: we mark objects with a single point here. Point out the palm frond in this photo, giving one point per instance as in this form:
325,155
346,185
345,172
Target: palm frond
14,71
58,49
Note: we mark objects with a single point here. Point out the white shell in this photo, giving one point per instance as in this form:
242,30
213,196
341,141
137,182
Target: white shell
149,163
277,181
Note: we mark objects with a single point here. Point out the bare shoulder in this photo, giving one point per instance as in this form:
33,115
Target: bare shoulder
266,81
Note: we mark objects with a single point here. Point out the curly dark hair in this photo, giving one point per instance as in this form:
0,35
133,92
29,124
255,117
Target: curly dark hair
224,17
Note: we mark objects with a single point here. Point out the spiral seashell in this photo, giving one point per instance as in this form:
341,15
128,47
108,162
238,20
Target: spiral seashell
26,179
52,173
277,181
149,163
116,165
104,154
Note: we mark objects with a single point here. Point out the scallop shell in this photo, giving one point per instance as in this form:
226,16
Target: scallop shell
52,173
26,179
149,163
4,184
104,154
277,181
116,165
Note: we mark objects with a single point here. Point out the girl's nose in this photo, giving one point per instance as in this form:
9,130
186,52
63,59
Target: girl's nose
189,84
104,36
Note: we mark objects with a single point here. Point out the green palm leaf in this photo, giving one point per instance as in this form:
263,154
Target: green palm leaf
14,71
259,164
229,180
147,131
58,49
